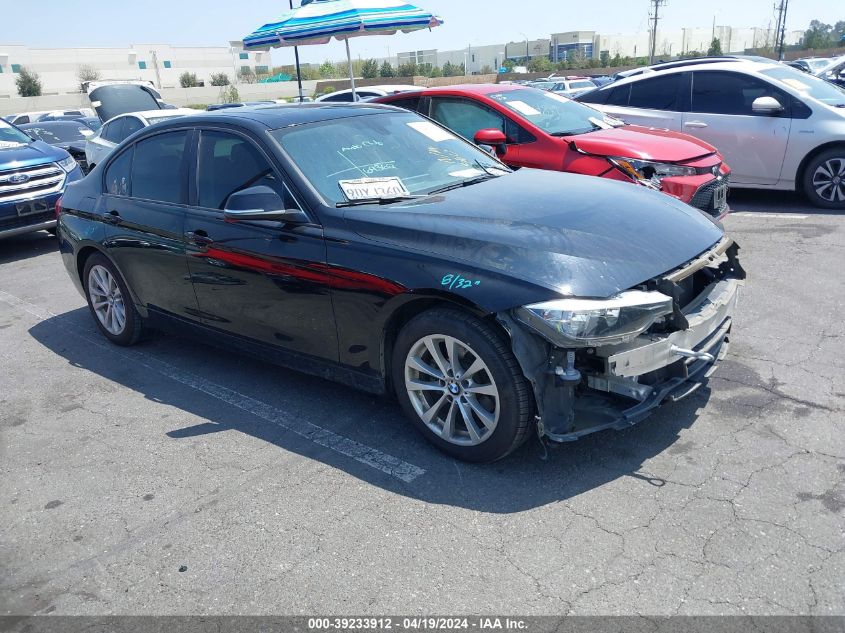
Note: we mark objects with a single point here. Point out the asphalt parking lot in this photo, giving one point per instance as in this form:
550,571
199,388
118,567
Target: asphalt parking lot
276,493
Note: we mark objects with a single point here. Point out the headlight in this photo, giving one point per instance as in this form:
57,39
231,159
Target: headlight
67,164
590,322
649,172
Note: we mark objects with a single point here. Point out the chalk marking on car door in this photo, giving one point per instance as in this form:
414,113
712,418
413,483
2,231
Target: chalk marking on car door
372,457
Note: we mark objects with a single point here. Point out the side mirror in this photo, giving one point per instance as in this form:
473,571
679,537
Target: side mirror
492,137
766,105
260,203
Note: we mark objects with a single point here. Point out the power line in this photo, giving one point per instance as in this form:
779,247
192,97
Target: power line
654,18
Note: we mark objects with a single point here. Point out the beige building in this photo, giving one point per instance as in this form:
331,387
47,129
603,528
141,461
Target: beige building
162,64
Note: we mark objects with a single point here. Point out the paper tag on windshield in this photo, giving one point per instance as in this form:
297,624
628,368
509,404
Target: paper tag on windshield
373,188
427,128
524,108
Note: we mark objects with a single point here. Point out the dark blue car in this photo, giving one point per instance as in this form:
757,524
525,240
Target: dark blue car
33,176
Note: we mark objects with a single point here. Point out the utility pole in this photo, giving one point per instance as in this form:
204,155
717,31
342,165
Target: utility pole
656,4
780,33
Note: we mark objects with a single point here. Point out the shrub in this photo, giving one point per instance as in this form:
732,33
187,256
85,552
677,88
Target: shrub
28,82
188,80
219,79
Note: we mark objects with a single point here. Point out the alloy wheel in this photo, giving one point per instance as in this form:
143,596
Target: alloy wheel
452,390
829,180
107,300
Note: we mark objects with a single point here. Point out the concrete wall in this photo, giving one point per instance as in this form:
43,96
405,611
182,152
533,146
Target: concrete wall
176,96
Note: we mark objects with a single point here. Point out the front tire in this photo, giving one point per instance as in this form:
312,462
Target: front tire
457,379
110,303
824,179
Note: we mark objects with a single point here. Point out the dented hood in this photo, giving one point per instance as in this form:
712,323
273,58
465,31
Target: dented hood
575,235
634,141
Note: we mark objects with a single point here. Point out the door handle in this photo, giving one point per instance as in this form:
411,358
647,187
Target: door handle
199,237
112,217
695,124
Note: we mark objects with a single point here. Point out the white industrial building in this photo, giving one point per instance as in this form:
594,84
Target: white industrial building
162,64
590,45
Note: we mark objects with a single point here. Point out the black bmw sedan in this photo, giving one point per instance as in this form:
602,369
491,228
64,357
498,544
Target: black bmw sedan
368,245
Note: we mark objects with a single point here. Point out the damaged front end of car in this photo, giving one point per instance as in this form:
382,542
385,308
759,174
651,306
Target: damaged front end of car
598,364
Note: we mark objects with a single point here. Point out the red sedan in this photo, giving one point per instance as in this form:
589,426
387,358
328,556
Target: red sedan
534,128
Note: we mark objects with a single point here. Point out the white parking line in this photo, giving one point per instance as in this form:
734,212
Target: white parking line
365,454
783,216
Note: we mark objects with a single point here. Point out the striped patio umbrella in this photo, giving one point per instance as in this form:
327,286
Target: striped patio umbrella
318,21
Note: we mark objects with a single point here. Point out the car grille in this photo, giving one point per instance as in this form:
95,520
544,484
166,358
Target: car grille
25,183
703,198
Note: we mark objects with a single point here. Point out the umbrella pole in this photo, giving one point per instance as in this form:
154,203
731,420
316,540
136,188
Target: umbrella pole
351,73
298,70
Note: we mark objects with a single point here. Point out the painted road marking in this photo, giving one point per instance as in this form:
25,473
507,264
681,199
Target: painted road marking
782,216
372,457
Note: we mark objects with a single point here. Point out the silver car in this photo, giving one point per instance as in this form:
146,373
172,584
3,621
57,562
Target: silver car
114,130
777,127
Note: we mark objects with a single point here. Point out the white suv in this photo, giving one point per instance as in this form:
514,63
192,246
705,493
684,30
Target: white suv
777,127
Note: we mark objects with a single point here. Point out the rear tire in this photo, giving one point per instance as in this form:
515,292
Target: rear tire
824,179
459,382
110,302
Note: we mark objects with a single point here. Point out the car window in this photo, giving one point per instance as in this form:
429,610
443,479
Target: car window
809,86
131,126
408,103
465,117
22,119
656,93
552,113
158,168
113,130
230,163
719,92
10,136
117,180
345,96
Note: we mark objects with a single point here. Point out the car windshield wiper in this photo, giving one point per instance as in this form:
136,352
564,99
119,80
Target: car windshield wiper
487,175
378,201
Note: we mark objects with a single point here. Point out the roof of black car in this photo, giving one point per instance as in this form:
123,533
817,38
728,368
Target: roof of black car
292,114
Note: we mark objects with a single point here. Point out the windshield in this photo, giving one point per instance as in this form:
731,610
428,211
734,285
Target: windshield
554,114
575,85
417,155
808,85
816,64
11,136
58,132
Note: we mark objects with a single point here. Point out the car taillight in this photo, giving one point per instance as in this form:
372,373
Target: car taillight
58,207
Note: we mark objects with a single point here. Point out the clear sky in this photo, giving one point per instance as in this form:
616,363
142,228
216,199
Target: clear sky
107,23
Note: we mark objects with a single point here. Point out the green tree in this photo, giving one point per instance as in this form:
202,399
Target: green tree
818,36
604,58
387,70
219,79
448,69
188,80
228,94
540,65
28,83
327,70
369,70
435,72
616,62
407,70
715,47
508,64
